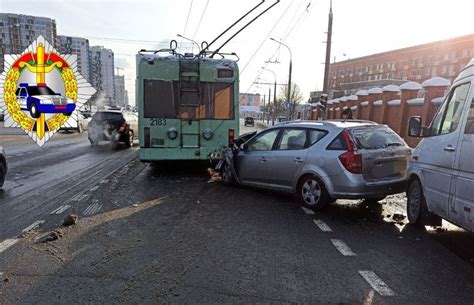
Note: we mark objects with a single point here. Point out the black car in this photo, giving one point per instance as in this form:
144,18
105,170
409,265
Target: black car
249,121
3,166
113,126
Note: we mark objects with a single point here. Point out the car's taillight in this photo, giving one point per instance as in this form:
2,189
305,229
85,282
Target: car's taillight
122,125
352,160
231,137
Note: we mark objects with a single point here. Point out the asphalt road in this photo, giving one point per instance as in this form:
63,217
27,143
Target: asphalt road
151,235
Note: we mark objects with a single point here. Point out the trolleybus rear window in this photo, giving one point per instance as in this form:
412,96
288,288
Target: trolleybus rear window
162,99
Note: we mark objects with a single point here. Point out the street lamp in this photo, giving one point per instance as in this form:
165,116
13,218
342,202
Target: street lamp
289,74
186,38
274,87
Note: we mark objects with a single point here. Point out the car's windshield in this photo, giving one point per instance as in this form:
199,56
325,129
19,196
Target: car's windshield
40,90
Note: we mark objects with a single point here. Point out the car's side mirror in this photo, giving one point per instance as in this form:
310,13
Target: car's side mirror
414,127
243,147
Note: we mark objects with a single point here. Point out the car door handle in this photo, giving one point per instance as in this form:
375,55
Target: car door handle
298,160
449,148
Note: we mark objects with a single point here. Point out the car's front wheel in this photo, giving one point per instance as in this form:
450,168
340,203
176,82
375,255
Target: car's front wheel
312,193
226,174
34,111
417,210
68,113
3,173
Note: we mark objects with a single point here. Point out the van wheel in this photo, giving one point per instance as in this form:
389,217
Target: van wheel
415,202
312,193
417,210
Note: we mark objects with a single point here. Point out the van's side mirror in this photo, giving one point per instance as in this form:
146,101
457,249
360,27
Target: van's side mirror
414,127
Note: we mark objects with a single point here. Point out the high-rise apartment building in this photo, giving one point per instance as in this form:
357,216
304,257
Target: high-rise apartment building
78,46
101,73
18,31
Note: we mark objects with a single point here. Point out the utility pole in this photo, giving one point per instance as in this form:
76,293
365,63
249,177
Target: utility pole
328,52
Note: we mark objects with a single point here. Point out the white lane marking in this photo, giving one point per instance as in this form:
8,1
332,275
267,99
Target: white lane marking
92,209
342,247
80,197
32,226
376,283
308,211
322,225
94,188
61,209
7,243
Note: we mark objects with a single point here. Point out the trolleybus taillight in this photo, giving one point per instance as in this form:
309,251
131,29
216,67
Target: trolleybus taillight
146,134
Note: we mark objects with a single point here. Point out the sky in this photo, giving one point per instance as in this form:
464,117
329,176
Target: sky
361,27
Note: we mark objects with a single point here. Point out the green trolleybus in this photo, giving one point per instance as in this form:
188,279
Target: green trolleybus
187,105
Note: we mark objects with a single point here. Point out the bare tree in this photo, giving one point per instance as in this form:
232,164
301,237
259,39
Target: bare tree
296,98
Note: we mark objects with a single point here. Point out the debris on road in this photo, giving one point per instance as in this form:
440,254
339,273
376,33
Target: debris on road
55,235
398,217
215,176
3,277
70,220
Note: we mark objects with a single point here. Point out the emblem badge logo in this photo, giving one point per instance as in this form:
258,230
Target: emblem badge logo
42,90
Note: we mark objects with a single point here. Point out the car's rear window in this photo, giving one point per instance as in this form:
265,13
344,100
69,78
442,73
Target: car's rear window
102,116
376,137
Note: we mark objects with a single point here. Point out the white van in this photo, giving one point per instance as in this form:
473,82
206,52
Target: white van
441,174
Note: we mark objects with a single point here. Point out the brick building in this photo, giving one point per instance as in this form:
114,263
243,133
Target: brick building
443,58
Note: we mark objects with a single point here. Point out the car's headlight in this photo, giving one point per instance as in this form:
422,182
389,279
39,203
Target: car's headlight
46,101
172,133
207,134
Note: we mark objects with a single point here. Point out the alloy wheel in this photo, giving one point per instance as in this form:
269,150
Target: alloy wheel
311,192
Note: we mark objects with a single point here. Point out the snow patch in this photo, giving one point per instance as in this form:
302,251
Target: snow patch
394,103
375,91
354,108
366,103
416,101
391,88
352,98
411,86
343,99
362,93
438,100
436,82
378,103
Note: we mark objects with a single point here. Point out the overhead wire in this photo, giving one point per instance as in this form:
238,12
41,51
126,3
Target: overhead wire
287,35
200,19
186,24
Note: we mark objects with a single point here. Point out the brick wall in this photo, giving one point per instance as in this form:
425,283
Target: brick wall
393,105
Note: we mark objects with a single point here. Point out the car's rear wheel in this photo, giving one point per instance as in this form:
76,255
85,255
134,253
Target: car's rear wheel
34,111
129,140
312,193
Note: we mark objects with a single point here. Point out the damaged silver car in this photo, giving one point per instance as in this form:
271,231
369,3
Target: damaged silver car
321,161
